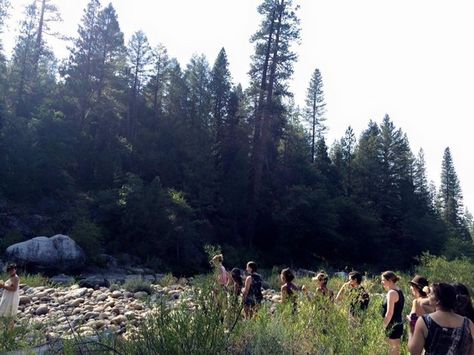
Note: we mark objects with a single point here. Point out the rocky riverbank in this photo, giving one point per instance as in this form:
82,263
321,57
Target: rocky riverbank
64,311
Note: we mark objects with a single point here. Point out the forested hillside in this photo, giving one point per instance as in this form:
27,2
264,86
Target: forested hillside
129,151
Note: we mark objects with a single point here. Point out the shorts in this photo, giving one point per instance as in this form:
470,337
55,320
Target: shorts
251,302
394,331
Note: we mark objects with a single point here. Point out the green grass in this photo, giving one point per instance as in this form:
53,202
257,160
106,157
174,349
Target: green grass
32,280
214,325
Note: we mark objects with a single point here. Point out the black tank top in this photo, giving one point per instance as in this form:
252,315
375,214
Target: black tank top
398,310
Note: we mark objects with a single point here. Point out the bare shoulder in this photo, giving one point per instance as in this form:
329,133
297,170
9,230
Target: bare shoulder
392,294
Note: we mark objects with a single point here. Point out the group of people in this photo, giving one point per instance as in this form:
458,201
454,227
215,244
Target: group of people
440,320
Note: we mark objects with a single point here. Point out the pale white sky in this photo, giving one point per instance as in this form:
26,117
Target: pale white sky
411,59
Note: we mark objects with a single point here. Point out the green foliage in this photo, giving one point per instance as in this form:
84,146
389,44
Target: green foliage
11,237
179,330
136,153
89,236
31,280
138,285
20,336
168,280
440,269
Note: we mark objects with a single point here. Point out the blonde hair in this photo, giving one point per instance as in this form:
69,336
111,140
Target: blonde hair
218,258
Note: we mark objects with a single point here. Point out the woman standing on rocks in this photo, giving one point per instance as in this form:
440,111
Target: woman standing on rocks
10,298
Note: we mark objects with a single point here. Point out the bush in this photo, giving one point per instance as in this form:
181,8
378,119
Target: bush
138,285
89,236
440,269
168,280
181,331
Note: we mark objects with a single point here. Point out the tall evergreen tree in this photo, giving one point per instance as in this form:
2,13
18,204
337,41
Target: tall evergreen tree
343,157
22,61
450,194
139,58
81,70
220,87
4,5
47,13
272,66
159,76
315,109
420,180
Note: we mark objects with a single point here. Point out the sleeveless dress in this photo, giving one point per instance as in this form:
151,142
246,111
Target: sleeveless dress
291,289
254,296
10,301
222,276
394,328
447,341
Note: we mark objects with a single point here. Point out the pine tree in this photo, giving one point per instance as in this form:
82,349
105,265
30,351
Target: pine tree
420,181
159,78
47,13
315,109
4,5
81,71
272,66
198,77
139,58
343,157
22,61
450,194
220,87
396,174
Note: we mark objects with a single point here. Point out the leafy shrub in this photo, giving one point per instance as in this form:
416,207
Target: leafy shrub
138,285
168,280
89,236
439,268
180,330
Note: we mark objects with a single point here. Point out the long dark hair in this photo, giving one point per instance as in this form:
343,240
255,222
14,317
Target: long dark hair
445,294
464,304
237,276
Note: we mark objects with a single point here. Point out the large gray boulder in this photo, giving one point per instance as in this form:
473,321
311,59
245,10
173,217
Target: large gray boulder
56,253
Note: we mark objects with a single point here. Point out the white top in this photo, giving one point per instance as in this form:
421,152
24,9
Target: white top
10,301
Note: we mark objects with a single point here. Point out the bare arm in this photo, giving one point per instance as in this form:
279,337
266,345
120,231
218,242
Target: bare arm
284,294
413,307
417,340
248,282
392,297
341,292
14,286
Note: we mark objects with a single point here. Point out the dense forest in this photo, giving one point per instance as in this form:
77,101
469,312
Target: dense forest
129,151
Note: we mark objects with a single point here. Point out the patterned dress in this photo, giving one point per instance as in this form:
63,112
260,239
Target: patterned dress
447,341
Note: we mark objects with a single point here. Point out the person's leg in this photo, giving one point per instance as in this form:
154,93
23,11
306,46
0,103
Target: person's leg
395,345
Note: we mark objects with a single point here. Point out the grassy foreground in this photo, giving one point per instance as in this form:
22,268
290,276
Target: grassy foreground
209,323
